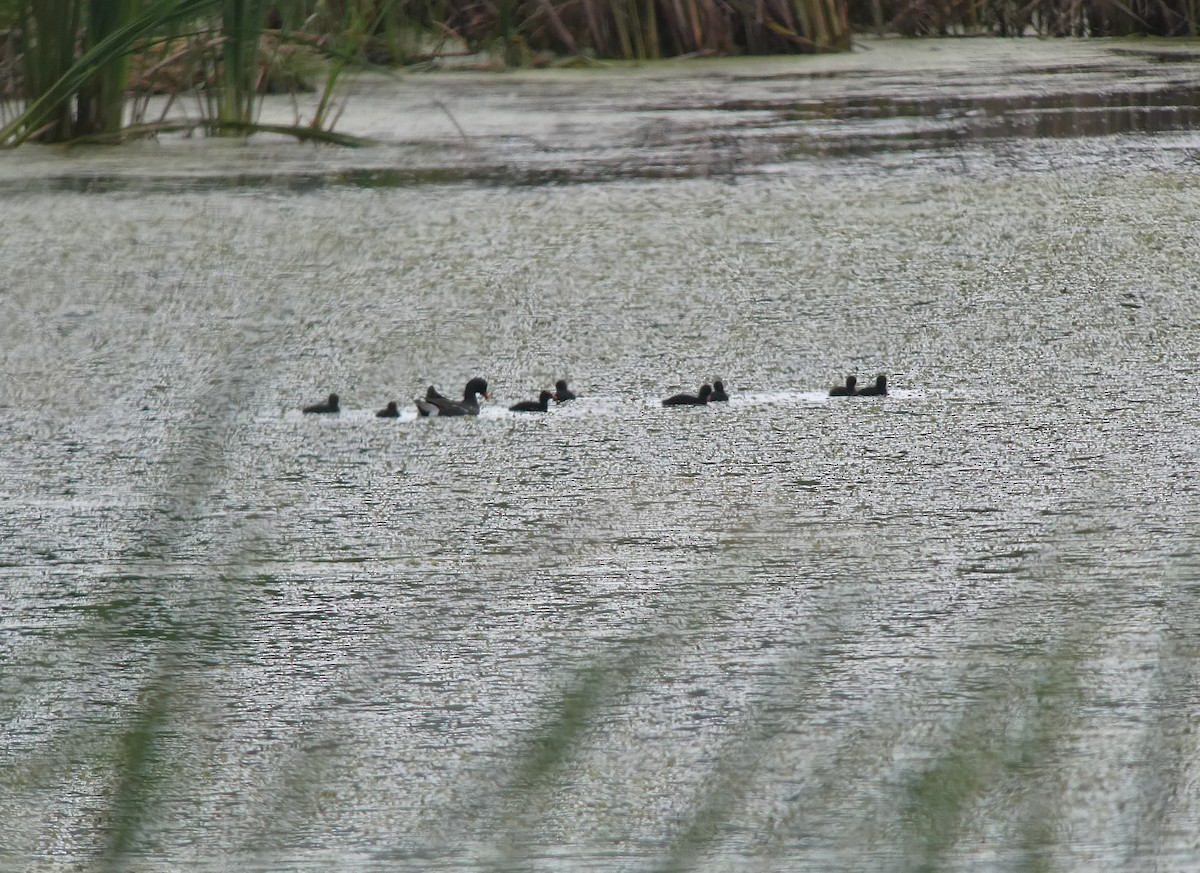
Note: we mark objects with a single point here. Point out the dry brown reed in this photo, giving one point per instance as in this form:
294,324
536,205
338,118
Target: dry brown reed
646,29
1079,18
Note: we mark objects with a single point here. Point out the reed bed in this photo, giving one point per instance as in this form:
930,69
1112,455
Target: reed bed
646,29
67,67
1057,18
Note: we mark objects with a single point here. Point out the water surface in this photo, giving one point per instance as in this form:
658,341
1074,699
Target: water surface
953,628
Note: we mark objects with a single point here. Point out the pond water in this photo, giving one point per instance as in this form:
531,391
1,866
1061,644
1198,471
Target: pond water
954,628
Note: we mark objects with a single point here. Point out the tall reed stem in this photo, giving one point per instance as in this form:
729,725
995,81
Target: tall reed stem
101,101
241,28
49,54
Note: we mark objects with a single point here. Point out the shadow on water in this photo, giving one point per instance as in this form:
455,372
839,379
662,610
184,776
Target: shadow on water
300,182
864,125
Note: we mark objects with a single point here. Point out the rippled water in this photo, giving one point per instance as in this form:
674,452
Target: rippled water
955,628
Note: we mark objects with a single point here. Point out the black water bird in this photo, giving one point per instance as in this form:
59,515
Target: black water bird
846,390
879,389
718,393
562,393
690,399
542,404
389,411
434,403
330,405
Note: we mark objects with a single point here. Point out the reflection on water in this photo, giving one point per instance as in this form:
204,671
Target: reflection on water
953,627
941,122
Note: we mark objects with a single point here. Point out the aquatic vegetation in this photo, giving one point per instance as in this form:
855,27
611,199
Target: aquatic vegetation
69,96
1011,18
959,634
75,57
69,67
210,47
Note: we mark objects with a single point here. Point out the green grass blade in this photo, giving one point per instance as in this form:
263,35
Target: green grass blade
115,45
